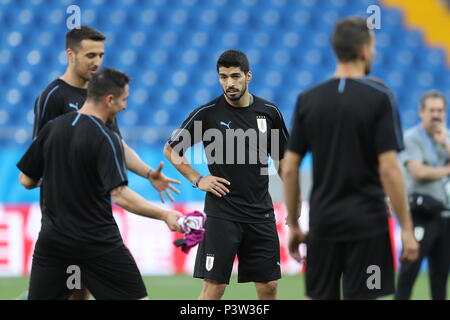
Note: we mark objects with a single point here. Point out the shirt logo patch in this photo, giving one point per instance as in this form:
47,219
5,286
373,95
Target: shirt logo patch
419,233
262,124
74,105
225,124
209,262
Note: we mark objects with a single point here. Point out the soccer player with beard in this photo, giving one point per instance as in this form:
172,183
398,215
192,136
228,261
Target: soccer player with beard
240,216
85,51
351,126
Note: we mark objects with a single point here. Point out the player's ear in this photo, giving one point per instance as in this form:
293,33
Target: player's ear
364,52
108,99
70,55
249,76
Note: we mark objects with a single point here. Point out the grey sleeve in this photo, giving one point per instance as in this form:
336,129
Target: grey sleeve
413,150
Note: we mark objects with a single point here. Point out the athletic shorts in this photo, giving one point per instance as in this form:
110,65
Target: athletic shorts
112,276
365,267
256,246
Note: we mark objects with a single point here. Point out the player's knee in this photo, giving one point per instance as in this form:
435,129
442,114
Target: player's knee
272,286
214,288
268,288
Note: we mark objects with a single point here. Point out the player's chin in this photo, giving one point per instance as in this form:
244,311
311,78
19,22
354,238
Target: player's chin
87,77
90,74
234,97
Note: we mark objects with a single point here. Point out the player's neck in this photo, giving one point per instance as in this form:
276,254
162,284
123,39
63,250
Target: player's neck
350,70
90,108
72,79
245,101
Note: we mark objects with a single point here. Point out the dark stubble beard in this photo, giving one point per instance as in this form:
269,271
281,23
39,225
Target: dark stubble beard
81,75
236,98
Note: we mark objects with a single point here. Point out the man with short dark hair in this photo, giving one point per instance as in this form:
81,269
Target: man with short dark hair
82,165
427,162
85,51
351,127
239,131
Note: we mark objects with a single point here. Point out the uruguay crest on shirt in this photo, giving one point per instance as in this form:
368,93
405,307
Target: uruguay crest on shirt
262,124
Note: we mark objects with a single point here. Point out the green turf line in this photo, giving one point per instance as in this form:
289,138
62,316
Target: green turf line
188,288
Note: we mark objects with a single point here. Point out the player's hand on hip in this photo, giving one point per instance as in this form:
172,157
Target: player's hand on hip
215,185
171,220
162,183
410,251
296,236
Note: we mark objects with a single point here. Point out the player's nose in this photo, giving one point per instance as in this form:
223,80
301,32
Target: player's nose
96,64
230,83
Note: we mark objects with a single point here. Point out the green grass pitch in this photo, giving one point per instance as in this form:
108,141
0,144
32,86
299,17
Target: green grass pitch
187,288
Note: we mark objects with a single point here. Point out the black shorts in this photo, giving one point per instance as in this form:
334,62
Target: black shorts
256,246
112,276
365,266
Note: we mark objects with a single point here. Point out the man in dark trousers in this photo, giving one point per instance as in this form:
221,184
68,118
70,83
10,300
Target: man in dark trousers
351,127
82,166
426,160
239,131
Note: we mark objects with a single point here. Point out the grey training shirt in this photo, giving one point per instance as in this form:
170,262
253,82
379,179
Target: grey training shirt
422,147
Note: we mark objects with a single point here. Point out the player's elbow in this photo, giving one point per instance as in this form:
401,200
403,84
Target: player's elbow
290,166
119,196
120,201
117,199
289,171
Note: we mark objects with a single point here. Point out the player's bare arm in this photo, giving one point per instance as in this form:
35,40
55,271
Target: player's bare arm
159,181
210,183
291,183
133,202
394,186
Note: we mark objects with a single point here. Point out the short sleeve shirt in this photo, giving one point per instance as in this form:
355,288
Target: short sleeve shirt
80,161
